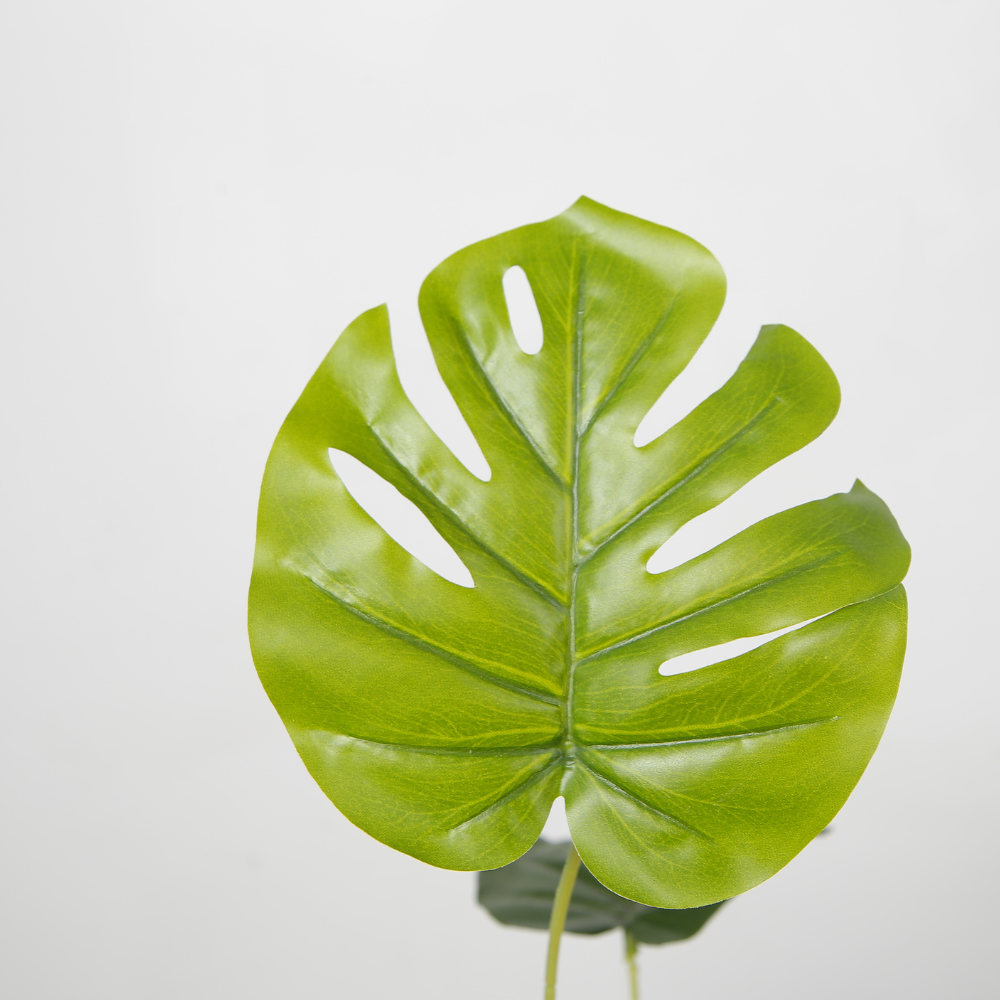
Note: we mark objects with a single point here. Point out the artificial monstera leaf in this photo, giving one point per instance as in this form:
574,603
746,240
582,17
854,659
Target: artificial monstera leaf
444,719
521,894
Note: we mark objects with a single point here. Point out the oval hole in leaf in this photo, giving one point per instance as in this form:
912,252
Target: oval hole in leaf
699,658
399,518
525,322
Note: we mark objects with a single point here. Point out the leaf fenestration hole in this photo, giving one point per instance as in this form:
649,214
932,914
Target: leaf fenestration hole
424,387
699,658
522,308
710,368
799,479
401,519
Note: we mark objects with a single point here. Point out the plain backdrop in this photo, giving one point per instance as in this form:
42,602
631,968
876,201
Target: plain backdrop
198,196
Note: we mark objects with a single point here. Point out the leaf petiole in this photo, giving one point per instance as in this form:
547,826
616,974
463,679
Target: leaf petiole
560,907
631,947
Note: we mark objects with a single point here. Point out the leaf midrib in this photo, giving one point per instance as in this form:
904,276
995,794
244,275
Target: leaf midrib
573,554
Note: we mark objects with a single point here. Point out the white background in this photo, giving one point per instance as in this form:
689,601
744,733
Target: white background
198,196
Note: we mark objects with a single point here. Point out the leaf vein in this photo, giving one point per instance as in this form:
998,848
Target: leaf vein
429,647
456,751
710,739
646,805
504,799
708,607
681,483
633,360
515,422
447,512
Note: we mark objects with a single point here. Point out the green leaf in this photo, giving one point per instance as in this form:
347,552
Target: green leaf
521,894
444,719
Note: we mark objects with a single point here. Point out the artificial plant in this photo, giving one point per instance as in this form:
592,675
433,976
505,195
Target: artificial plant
444,719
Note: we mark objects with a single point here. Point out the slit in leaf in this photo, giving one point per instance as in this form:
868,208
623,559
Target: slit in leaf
795,480
399,518
709,369
710,655
424,387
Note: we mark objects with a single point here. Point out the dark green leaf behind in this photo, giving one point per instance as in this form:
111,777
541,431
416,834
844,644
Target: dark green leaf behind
521,894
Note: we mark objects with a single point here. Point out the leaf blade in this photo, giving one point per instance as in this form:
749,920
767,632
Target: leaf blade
444,719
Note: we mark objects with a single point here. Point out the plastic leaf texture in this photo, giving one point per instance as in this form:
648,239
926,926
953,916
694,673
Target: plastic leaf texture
521,894
444,719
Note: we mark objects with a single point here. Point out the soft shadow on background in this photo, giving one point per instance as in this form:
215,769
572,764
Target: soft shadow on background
198,197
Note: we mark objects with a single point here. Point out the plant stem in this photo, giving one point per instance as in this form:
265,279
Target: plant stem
631,947
560,906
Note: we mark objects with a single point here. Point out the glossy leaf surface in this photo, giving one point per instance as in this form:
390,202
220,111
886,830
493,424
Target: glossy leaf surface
444,719
521,894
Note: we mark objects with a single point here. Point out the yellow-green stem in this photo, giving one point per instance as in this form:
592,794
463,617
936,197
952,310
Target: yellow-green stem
560,906
631,947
